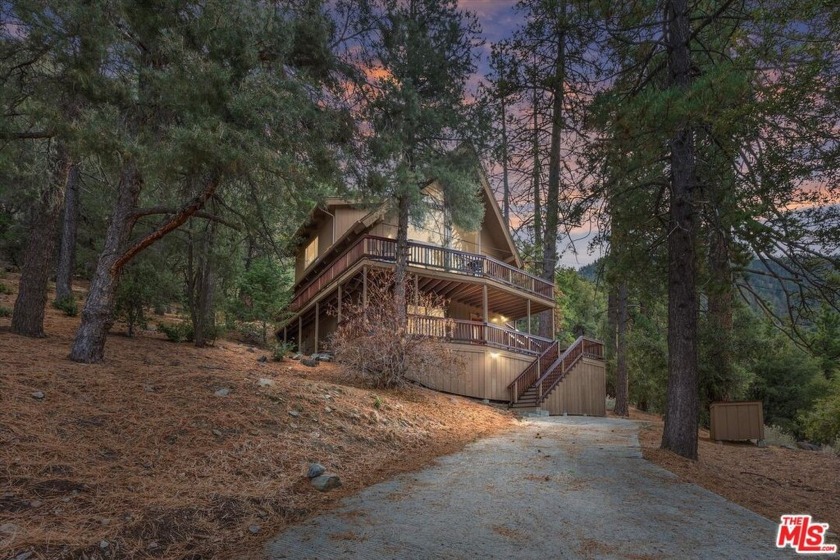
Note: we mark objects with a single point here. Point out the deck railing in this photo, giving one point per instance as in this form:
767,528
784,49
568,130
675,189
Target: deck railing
477,332
425,256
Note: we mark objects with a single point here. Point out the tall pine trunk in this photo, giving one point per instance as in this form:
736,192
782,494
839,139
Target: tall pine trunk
682,408
29,310
535,175
536,186
97,314
401,267
505,171
67,246
202,306
552,199
721,299
622,384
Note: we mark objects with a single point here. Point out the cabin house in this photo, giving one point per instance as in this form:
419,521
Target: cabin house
480,275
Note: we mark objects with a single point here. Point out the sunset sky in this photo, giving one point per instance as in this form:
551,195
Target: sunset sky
498,20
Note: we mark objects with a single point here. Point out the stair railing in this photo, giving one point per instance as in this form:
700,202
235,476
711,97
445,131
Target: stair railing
532,373
581,348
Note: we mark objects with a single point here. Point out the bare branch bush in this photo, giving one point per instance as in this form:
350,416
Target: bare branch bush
370,341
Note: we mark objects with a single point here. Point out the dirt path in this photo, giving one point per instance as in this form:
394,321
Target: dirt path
556,488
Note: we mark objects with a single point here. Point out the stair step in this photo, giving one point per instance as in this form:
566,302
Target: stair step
521,404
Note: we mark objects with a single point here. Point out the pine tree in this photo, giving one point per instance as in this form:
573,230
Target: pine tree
725,93
419,57
263,111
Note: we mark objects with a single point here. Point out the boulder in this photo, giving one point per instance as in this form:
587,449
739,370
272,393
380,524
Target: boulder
315,470
326,482
322,357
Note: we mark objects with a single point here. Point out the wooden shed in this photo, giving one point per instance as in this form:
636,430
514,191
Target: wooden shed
736,421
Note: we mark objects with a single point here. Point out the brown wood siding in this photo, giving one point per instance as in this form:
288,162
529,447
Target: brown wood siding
469,241
325,236
582,391
383,229
299,264
345,218
494,247
458,310
486,375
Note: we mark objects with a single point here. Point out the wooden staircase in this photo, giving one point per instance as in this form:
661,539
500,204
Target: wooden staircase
530,389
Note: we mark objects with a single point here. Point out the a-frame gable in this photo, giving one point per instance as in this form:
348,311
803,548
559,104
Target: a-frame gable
494,219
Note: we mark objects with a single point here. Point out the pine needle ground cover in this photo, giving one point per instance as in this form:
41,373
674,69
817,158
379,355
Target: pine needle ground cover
771,481
169,451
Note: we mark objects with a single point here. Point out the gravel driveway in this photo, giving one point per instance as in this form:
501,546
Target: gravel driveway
563,487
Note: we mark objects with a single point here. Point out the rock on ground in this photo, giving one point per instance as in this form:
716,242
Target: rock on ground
326,482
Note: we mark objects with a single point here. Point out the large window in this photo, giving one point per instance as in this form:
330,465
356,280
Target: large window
311,253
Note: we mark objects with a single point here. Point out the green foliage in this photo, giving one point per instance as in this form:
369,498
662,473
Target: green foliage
647,359
420,112
5,311
581,306
178,332
4,289
776,435
821,424
262,292
825,342
141,286
788,381
68,305
281,350
744,346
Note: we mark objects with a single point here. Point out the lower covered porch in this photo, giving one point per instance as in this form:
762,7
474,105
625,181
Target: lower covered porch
477,312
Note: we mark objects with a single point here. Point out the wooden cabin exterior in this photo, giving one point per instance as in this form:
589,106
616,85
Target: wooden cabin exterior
481,277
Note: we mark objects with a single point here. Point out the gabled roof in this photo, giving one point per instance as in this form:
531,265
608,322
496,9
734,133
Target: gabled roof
492,219
498,219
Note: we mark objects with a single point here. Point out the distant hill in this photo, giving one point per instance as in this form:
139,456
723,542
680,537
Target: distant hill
591,271
768,287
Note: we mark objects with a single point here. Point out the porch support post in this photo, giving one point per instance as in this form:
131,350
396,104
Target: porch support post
285,334
338,317
300,333
552,323
528,307
484,310
364,287
317,317
416,291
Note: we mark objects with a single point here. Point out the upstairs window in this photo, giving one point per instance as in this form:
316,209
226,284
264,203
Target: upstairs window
311,253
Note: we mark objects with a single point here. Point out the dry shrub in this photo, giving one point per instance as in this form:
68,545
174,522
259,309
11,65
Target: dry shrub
372,342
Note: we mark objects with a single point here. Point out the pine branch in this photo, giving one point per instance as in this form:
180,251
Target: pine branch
173,223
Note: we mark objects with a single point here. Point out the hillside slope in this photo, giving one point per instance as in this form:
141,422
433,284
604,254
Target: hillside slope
141,457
